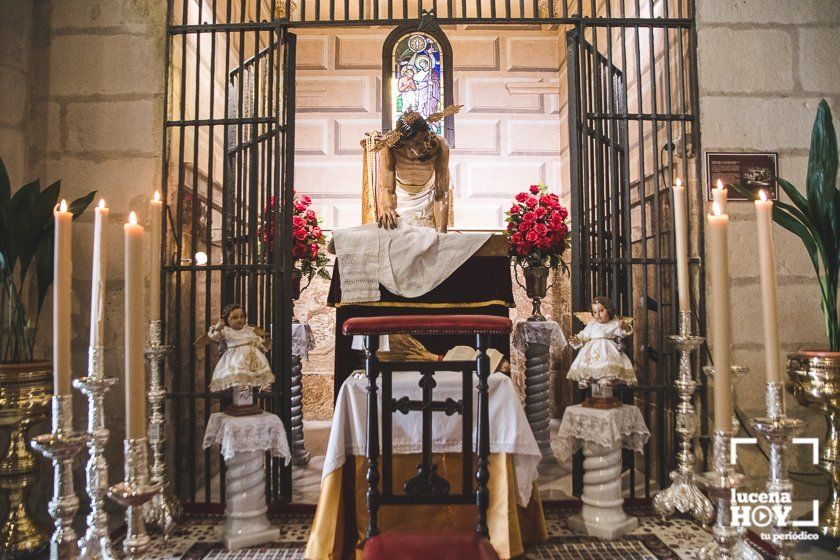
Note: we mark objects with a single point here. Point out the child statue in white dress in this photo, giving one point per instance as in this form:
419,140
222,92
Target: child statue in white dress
243,363
601,362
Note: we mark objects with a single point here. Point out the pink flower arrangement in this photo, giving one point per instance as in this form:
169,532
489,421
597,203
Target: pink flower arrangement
537,228
308,238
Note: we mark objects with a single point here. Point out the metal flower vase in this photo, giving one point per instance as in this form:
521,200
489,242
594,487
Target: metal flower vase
815,378
536,287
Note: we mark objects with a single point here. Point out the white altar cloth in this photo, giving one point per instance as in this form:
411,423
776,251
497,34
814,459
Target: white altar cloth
409,261
243,434
602,427
509,429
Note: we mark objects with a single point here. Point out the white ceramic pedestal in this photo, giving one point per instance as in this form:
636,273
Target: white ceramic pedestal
602,515
246,524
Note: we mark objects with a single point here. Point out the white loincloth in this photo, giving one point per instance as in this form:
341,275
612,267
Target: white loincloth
409,261
415,203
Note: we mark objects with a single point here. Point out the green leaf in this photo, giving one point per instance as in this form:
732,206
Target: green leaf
22,230
794,195
822,170
78,206
44,261
796,227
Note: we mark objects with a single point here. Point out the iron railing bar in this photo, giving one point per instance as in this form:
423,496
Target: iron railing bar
628,22
643,117
218,122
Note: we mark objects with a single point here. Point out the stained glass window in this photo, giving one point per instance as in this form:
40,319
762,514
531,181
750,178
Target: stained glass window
418,79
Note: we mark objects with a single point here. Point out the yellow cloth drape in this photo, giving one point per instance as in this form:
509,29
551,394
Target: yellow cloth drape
338,529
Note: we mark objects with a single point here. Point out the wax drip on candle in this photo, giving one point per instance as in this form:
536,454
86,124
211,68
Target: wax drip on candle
716,209
762,195
63,206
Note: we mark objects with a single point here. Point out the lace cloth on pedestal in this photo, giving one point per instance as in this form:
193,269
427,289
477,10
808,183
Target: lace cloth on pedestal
603,427
302,340
243,434
538,332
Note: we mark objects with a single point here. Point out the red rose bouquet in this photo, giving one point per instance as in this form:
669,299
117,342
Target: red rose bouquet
307,236
537,228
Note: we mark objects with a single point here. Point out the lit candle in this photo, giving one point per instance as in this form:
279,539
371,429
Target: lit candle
135,373
718,251
681,232
97,296
156,213
719,195
62,282
767,262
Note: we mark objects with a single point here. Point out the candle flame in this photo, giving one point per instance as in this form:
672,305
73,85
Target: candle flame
102,203
157,196
762,195
132,219
201,258
719,184
679,182
63,206
716,209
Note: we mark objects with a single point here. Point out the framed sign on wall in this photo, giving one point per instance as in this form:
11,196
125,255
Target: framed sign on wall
754,170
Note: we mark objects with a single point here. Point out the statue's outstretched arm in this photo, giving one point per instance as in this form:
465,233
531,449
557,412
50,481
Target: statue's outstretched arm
387,191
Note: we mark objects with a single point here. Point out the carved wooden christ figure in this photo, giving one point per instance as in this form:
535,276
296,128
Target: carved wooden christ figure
414,173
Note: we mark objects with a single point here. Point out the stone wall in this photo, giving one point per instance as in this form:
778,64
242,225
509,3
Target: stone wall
763,67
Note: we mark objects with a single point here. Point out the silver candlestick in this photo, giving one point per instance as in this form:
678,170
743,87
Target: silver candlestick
684,495
737,373
777,429
164,509
729,542
96,544
133,493
62,445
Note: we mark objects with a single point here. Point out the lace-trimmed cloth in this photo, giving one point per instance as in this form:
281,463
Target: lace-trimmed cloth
538,332
509,429
243,434
603,427
302,340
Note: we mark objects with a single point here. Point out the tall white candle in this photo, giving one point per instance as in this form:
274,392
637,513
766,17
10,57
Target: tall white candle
97,295
135,372
681,234
767,262
718,251
62,286
719,196
156,214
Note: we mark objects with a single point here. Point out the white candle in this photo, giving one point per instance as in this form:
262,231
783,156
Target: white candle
767,262
719,196
97,295
718,251
156,213
681,233
135,373
62,286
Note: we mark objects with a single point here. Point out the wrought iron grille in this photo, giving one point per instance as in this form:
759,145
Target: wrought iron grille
229,148
228,145
633,126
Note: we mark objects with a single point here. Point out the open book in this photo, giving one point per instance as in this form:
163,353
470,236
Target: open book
465,353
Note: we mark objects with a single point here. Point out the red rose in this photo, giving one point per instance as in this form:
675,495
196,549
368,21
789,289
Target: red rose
531,237
522,249
316,232
298,222
544,243
530,202
299,250
299,234
540,212
554,222
526,226
535,189
563,230
516,238
541,229
563,213
313,250
306,200
310,215
521,197
514,209
299,206
528,217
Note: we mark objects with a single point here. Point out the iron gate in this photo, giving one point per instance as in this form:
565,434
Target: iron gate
228,171
632,126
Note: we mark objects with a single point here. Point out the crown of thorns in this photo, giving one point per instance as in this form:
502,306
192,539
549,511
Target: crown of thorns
409,124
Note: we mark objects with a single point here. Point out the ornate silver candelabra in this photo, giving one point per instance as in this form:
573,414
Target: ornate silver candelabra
164,509
777,429
684,495
133,493
62,445
96,544
728,543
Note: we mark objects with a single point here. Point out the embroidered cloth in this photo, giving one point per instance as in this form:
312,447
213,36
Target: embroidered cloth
603,427
242,434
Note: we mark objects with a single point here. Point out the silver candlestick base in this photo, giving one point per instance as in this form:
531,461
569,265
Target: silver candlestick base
62,445
133,493
96,544
777,430
729,542
684,495
164,510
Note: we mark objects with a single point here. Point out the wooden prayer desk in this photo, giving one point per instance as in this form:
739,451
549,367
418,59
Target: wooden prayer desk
481,285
